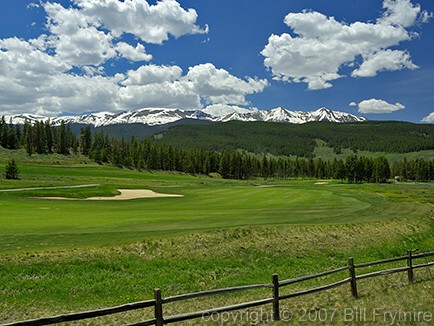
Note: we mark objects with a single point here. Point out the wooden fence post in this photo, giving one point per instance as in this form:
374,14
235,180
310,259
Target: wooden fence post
410,272
352,270
158,308
276,312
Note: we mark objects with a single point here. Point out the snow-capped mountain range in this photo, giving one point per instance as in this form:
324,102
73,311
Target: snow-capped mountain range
161,116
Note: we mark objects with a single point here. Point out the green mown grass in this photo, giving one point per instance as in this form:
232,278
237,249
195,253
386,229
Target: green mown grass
66,256
30,223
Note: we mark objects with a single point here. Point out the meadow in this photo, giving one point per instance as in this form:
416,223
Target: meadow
60,256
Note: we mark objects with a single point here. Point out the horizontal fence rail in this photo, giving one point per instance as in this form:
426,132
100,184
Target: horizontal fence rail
378,262
309,277
424,265
199,314
382,273
318,289
158,301
85,314
215,292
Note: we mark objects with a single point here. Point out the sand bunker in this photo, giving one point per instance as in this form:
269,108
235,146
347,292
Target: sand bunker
126,194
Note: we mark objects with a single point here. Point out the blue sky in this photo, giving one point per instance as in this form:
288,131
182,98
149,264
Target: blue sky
369,58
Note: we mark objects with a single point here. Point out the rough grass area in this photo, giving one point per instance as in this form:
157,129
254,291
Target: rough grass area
47,283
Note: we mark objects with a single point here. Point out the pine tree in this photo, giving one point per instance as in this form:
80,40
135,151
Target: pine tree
12,137
62,141
28,136
351,168
381,170
40,139
19,136
85,140
3,133
49,134
224,166
339,171
12,171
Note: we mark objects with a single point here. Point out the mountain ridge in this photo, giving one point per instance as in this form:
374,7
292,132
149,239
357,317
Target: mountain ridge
162,116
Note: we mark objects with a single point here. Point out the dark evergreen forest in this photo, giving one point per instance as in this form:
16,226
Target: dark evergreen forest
210,151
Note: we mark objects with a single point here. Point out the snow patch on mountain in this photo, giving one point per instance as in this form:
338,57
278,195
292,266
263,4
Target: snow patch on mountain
222,110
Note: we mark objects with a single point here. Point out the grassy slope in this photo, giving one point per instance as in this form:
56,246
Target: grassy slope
124,250
48,283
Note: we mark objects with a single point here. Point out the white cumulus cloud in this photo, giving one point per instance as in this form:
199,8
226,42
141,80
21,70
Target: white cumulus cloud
219,86
76,38
320,46
34,81
400,12
167,86
64,70
429,118
86,34
151,74
387,60
151,23
379,106
131,53
166,95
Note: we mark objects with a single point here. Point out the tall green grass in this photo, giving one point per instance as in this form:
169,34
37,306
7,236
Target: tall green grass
47,283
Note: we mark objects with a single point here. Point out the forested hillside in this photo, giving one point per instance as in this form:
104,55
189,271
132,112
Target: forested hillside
299,140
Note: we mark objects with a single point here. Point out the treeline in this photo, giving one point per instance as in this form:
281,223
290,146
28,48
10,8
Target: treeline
415,170
44,138
147,155
10,135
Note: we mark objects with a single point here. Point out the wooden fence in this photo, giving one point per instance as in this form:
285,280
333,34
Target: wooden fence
158,301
